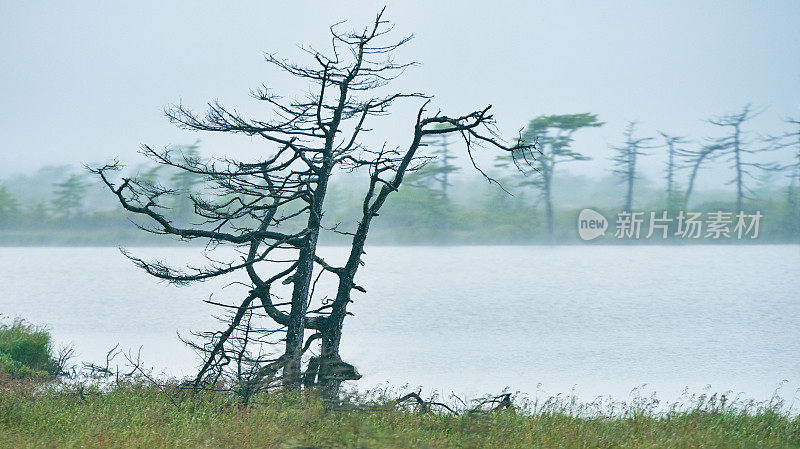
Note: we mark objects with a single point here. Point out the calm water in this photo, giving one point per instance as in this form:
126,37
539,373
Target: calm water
596,320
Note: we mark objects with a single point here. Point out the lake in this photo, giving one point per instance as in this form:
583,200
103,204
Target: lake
591,320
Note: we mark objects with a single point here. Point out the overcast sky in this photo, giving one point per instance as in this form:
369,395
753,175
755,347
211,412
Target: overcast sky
88,82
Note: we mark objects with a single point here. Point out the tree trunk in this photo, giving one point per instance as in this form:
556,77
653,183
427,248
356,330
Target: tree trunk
690,187
736,152
292,371
329,382
629,194
548,205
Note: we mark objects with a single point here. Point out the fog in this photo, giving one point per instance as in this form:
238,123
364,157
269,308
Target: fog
617,237
88,82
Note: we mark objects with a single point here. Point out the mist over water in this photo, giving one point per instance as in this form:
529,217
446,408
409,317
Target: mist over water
525,223
546,319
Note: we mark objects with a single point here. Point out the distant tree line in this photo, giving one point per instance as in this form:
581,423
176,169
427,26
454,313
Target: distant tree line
437,205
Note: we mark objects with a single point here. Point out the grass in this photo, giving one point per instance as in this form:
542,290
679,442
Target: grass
39,410
138,414
26,352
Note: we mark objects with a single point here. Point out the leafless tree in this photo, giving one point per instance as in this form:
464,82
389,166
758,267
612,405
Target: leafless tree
791,141
736,145
674,147
271,210
626,158
793,138
793,195
693,159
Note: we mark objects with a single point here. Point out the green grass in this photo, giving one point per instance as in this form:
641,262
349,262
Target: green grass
134,414
38,410
25,351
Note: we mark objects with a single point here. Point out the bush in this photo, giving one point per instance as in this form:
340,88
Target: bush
26,351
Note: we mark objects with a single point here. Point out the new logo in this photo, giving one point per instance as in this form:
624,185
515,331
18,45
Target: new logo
591,224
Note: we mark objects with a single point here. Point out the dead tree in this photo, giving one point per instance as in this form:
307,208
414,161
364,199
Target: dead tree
271,210
626,158
736,145
793,192
673,144
794,142
790,140
693,159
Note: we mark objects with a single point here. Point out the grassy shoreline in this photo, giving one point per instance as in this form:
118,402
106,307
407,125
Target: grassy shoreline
46,403
139,414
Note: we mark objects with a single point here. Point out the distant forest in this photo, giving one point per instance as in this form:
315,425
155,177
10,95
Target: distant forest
446,201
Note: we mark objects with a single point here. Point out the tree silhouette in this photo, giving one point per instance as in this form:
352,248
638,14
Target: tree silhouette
435,174
553,136
626,158
694,160
791,141
271,210
433,179
673,145
184,182
9,206
736,145
69,195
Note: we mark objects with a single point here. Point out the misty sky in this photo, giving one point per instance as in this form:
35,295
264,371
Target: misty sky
87,83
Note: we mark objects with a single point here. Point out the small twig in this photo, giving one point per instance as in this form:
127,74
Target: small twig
137,367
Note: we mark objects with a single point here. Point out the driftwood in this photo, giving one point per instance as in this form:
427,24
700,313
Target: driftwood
499,402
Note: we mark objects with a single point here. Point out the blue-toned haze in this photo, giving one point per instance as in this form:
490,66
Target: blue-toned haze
87,81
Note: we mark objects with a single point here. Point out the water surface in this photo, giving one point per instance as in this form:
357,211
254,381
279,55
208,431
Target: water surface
596,320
